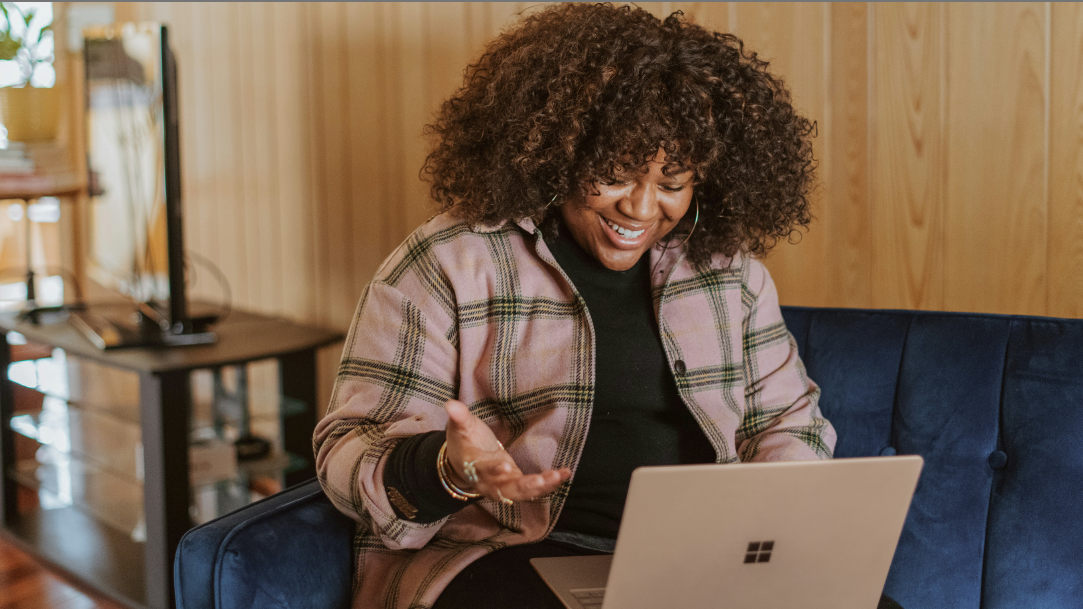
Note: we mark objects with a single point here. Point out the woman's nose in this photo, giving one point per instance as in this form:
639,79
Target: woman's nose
641,203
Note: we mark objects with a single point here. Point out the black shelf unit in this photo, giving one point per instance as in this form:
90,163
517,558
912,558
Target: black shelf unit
99,548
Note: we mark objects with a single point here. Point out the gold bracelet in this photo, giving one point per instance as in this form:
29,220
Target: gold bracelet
445,479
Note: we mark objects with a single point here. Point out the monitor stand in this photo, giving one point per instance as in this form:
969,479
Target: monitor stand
126,325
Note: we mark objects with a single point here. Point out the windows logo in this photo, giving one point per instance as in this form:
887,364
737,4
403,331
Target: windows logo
759,551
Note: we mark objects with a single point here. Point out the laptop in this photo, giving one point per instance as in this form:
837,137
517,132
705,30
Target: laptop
809,534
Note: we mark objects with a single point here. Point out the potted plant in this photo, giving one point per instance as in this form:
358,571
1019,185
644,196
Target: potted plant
27,111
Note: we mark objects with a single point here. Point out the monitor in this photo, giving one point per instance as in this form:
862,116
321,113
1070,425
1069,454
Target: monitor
135,247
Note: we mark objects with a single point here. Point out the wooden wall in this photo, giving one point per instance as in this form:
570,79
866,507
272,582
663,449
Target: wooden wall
951,153
950,144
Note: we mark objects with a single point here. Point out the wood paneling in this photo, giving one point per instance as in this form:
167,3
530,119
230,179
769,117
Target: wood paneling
996,219
368,164
713,15
1065,249
332,216
846,170
950,145
907,155
793,37
292,156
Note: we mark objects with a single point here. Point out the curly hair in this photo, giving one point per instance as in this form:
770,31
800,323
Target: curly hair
579,92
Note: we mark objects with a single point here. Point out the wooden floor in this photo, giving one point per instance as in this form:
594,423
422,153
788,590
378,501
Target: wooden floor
27,584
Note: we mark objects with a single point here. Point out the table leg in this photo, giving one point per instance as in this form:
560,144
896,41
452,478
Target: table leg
164,401
297,379
8,487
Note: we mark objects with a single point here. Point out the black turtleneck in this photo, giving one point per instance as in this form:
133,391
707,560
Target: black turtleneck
638,417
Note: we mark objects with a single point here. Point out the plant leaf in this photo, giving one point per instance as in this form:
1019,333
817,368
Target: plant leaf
41,34
9,48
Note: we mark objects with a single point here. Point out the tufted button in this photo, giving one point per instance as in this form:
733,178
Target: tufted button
679,366
887,451
998,459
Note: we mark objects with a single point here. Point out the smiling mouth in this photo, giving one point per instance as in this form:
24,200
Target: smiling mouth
624,238
624,232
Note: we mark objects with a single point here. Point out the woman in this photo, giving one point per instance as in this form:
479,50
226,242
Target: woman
589,301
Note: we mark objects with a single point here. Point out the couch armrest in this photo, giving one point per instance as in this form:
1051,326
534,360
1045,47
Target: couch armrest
298,555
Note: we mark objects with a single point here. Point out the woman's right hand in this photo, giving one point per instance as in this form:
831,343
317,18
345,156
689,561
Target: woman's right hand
469,439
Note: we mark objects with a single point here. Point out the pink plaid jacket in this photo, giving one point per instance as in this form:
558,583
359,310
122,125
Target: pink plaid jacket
485,315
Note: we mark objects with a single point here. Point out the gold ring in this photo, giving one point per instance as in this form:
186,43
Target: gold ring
470,471
504,499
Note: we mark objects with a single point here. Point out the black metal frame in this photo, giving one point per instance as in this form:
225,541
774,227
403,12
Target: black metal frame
165,406
178,303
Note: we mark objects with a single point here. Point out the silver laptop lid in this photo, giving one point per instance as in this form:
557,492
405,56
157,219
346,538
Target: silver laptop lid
804,534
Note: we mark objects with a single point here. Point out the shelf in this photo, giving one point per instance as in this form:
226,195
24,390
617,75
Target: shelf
84,421
256,480
242,337
259,479
102,443
68,482
263,405
65,183
75,472
81,383
84,418
112,443
85,549
90,385
64,481
274,465
88,395
112,491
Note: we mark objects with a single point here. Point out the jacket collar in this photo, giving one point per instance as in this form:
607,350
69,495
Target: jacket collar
663,260
526,224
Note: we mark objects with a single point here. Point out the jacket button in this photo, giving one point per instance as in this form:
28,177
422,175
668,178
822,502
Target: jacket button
679,366
998,459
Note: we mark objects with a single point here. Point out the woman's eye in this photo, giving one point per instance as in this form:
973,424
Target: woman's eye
674,188
612,182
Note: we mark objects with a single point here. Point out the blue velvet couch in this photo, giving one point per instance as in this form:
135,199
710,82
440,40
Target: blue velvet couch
993,403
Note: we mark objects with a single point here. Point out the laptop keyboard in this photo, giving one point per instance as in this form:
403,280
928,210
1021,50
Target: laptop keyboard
590,598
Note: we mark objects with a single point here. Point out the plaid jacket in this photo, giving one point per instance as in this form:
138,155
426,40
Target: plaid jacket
485,315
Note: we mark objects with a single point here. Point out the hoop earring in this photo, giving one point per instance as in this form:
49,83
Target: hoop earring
694,223
551,201
666,248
